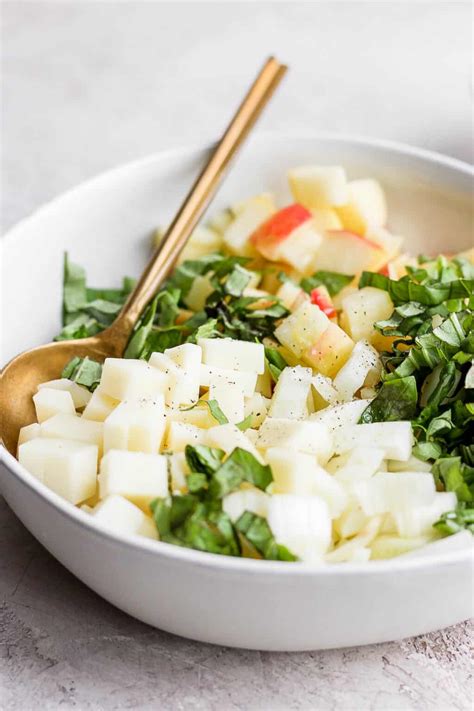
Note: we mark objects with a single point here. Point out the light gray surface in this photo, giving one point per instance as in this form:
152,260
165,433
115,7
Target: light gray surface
88,86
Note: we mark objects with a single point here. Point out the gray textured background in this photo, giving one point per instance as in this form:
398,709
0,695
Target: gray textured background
87,86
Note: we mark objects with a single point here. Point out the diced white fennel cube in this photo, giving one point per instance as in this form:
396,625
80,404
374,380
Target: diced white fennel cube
395,438
230,399
363,362
68,468
297,473
413,464
197,415
233,354
121,516
254,500
288,293
387,546
161,362
180,434
338,416
419,520
29,432
99,406
244,380
350,522
136,425
138,477
291,393
73,427
301,523
456,542
360,463
79,394
228,437
178,470
256,406
391,493
50,401
130,379
324,393
303,436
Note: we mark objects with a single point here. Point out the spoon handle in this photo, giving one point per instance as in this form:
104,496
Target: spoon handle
198,197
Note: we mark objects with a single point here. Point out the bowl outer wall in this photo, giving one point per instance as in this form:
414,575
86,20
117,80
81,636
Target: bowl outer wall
225,601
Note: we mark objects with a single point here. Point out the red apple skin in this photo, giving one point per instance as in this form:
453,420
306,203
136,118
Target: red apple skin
384,270
321,298
278,227
361,238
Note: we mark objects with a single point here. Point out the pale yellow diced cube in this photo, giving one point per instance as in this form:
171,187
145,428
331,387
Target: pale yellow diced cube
49,402
74,428
136,425
180,434
317,186
138,477
224,377
256,406
198,415
290,396
29,432
366,207
119,515
129,379
229,437
99,406
79,394
233,354
230,400
68,468
196,297
178,470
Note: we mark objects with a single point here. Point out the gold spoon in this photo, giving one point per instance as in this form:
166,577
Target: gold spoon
22,375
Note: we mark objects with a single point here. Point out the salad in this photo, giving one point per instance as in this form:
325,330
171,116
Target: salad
300,388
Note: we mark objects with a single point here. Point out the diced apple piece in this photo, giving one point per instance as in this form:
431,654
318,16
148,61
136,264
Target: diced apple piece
299,331
390,243
195,299
136,476
363,308
366,207
350,522
50,401
119,515
256,407
128,379
75,428
79,394
302,523
136,425
229,437
254,500
233,354
288,293
219,221
319,186
326,218
337,417
321,298
244,380
99,406
305,436
291,393
248,218
203,240
330,352
180,434
395,438
29,432
230,399
394,493
68,468
265,383
348,253
363,363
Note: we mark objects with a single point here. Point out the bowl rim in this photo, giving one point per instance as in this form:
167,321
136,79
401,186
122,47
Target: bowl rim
201,559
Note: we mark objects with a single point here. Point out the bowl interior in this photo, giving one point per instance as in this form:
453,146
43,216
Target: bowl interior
106,223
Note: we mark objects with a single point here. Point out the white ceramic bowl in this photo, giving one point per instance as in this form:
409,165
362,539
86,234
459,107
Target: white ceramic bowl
105,224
